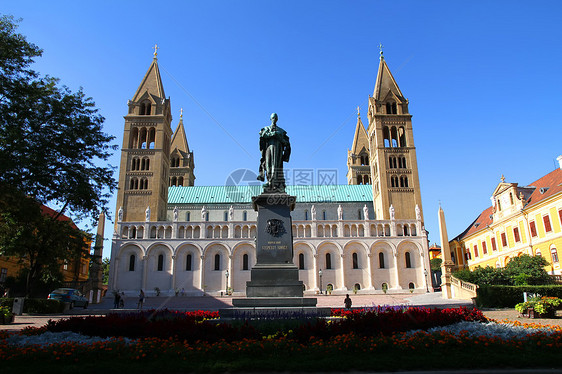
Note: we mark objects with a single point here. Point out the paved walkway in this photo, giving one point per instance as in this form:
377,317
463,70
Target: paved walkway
213,303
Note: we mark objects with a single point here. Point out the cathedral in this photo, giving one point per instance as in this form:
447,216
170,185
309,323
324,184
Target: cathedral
172,236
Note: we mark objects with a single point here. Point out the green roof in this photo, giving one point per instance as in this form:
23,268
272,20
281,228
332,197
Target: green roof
243,194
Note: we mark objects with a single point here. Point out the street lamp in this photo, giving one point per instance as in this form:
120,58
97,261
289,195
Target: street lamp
226,286
320,275
426,284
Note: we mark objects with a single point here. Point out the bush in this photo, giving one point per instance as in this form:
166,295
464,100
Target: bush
43,306
494,296
436,264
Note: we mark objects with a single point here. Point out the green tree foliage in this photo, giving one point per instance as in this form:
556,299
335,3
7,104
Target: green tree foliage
51,139
520,270
105,270
41,242
436,264
525,269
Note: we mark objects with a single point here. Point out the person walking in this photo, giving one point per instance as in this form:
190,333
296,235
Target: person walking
122,301
116,299
141,300
347,302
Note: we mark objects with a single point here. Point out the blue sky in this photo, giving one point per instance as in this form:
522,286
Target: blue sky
483,79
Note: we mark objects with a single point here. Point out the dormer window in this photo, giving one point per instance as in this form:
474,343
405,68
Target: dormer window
145,108
391,108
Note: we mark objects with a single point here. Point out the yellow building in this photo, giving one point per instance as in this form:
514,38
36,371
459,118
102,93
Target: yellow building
521,220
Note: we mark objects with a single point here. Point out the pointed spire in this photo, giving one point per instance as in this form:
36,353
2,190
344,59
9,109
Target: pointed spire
360,139
179,139
152,81
385,82
445,251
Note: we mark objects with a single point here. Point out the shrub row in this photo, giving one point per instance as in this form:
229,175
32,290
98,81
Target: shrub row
507,296
37,306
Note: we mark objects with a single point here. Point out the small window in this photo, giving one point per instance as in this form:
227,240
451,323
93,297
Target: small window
408,260
188,216
328,261
324,215
484,249
244,216
560,215
494,248
217,262
225,216
3,275
546,221
538,253
475,248
160,262
411,286
381,260
306,215
301,261
132,263
533,228
245,264
504,239
355,260
516,234
356,287
554,255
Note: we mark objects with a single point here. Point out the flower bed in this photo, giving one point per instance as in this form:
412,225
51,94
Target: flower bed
544,307
359,339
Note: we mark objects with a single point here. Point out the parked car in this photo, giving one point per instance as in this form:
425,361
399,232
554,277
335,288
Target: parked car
69,295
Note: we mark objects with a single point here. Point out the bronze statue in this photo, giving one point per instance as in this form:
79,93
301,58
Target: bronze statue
275,148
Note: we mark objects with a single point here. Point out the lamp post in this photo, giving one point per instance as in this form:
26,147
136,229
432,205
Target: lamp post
226,286
426,283
320,275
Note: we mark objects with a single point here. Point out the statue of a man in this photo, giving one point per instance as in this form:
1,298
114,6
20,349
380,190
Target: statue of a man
120,215
175,214
231,213
147,213
340,212
418,213
313,212
203,213
365,212
391,210
275,148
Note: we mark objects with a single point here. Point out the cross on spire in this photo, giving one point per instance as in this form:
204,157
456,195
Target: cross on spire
156,48
380,49
358,114
503,179
181,113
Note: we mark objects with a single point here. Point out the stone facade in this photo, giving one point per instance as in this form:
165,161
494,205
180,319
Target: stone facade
200,239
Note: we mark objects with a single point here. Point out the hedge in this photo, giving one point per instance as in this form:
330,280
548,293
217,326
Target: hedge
490,296
36,306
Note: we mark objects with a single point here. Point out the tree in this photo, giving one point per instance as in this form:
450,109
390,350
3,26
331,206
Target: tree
525,269
105,270
51,149
51,139
436,264
41,242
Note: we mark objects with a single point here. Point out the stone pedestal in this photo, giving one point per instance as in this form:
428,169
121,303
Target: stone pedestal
274,278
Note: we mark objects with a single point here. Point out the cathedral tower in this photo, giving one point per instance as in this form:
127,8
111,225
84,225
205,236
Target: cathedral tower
181,159
145,154
394,167
358,171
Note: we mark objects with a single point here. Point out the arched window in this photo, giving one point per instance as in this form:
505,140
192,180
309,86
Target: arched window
301,261
306,215
188,216
358,213
245,265
554,255
244,216
381,260
217,262
356,287
225,215
411,286
324,215
132,263
180,181
160,262
188,262
359,180
408,260
386,136
328,261
355,260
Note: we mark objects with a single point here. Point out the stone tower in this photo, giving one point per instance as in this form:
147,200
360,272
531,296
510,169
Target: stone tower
145,154
394,167
358,170
181,159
